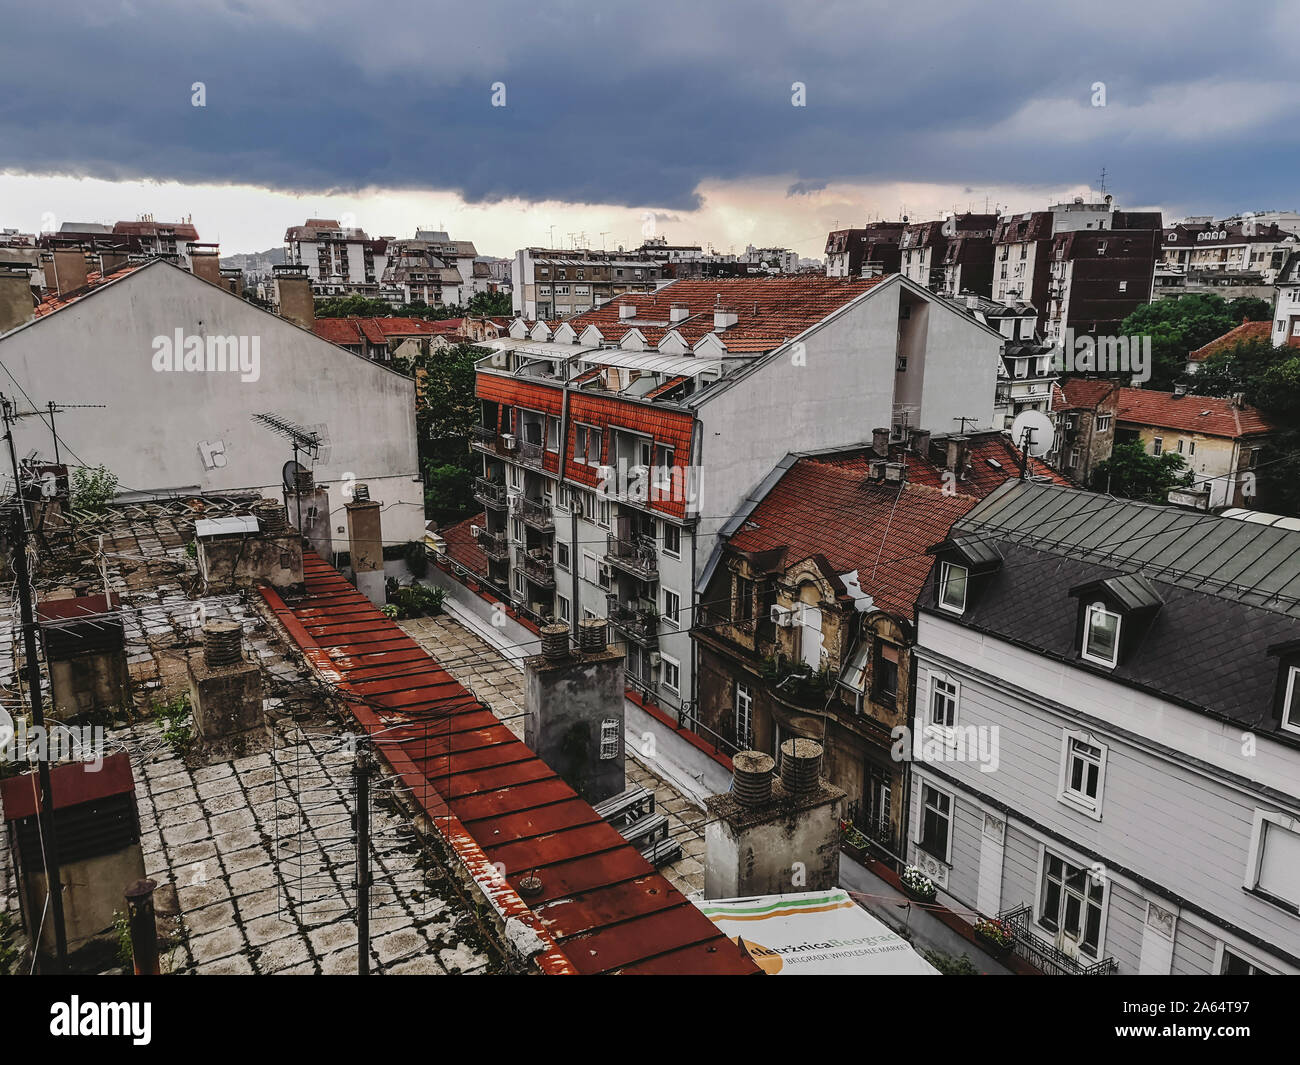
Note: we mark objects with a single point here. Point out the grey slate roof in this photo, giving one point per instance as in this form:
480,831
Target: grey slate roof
1220,592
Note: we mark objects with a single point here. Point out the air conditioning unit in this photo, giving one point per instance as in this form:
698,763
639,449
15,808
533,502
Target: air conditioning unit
575,505
508,441
655,659
781,616
475,532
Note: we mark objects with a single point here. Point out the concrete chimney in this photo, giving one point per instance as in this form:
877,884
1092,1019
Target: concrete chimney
112,260
293,295
627,310
311,502
225,695
574,709
206,263
16,305
679,312
921,442
69,270
958,457
366,545
233,279
244,551
774,836
85,652
880,442
724,318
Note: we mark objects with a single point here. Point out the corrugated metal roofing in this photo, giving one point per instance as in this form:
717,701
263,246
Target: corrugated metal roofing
603,908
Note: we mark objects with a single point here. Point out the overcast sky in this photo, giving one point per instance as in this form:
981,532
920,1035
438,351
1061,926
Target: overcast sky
621,119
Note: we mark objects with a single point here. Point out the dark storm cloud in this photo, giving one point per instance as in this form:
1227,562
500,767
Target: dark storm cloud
636,105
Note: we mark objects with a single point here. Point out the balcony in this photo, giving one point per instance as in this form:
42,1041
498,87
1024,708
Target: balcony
637,556
536,515
494,545
639,624
490,442
490,493
538,569
530,454
1046,957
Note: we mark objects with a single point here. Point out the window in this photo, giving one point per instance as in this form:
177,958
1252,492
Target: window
885,669
1101,635
1070,905
936,822
590,567
744,717
672,608
952,587
553,434
604,576
561,555
1233,964
1191,447
1103,422
672,674
609,738
561,608
602,513
900,364
1083,773
1157,446
586,446
519,582
943,701
1123,286
744,610
672,540
1275,859
1291,701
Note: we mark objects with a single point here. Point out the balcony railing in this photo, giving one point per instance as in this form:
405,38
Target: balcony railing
483,434
637,556
539,570
641,625
537,515
1047,957
494,545
530,454
490,493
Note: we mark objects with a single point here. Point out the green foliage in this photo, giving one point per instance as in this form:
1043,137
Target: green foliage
93,488
950,966
1250,309
366,307
125,952
413,600
192,549
1131,473
176,720
491,305
1177,327
417,558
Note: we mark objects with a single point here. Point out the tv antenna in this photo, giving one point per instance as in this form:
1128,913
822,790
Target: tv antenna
50,410
302,439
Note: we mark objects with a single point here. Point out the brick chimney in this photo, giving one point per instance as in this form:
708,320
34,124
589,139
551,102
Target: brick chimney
112,260
69,271
880,442
293,295
16,305
205,262
226,695
958,456
309,506
574,709
774,836
232,278
366,544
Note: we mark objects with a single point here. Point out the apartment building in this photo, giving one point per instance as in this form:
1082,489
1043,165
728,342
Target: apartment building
388,338
867,252
1025,369
925,245
415,272
549,283
1230,259
616,444
339,260
1220,440
807,616
144,236
1098,277
1286,304
1085,410
1133,668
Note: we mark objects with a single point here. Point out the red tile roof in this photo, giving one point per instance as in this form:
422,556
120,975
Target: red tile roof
51,301
1081,393
825,506
351,330
1247,331
603,908
1190,414
462,548
770,310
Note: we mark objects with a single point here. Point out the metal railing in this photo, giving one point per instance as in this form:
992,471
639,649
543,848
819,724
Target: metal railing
637,556
536,514
530,454
1047,957
494,545
490,493
640,624
539,571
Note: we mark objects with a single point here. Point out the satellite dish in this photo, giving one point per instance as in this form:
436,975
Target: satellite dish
1040,432
290,474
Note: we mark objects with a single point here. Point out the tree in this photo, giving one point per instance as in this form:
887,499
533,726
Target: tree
367,307
490,305
1177,327
1250,309
1131,473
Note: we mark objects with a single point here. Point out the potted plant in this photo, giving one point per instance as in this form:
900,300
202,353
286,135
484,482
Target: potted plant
995,936
917,885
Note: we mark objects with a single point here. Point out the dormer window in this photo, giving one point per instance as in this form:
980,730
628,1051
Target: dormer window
1291,701
1101,636
952,587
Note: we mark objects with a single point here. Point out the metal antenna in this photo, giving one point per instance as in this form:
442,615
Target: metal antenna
52,408
302,439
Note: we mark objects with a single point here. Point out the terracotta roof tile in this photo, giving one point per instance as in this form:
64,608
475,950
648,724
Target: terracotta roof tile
1247,331
1190,414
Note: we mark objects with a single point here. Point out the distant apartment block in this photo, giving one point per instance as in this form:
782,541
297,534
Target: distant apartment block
1085,410
1286,304
551,283
339,261
941,253
1026,371
1229,259
870,251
